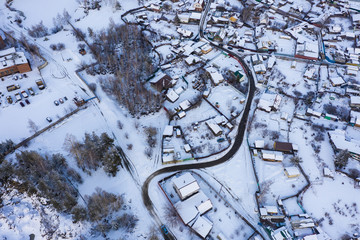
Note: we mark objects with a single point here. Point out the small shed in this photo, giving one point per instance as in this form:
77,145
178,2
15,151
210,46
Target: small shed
172,96
271,209
181,114
185,105
168,131
259,144
187,148
292,172
283,147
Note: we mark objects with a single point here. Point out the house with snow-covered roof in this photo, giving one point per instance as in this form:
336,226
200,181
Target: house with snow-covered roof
337,81
161,81
168,131
172,96
272,156
185,33
215,76
307,50
185,185
202,226
340,141
355,101
215,129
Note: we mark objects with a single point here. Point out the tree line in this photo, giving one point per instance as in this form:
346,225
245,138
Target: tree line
47,176
125,52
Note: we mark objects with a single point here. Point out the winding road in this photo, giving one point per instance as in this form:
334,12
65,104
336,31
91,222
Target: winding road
237,141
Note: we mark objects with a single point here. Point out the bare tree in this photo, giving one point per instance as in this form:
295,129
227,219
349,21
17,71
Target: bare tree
264,190
341,159
171,216
32,126
295,160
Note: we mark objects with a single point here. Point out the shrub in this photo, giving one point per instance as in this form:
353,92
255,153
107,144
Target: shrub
354,173
92,87
329,108
39,30
341,159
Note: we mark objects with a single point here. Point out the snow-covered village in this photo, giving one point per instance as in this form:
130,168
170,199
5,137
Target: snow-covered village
180,119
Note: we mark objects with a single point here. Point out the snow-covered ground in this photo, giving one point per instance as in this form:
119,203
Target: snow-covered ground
331,202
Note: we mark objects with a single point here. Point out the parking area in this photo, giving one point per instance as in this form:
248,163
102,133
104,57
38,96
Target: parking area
30,101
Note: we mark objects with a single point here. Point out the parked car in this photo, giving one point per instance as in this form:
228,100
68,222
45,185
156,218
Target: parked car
40,84
22,104
49,119
27,101
9,99
164,230
65,98
13,87
24,94
31,91
56,102
61,100
17,96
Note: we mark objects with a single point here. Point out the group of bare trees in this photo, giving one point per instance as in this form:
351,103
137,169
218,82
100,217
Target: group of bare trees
38,30
47,176
342,112
124,51
94,152
342,159
103,208
5,147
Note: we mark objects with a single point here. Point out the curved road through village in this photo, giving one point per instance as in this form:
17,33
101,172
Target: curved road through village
237,141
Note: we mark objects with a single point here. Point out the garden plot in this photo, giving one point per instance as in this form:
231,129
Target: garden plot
290,80
285,46
292,207
165,52
174,147
197,114
223,217
202,139
227,100
224,62
274,183
337,211
308,149
353,168
21,122
330,103
163,28
266,126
